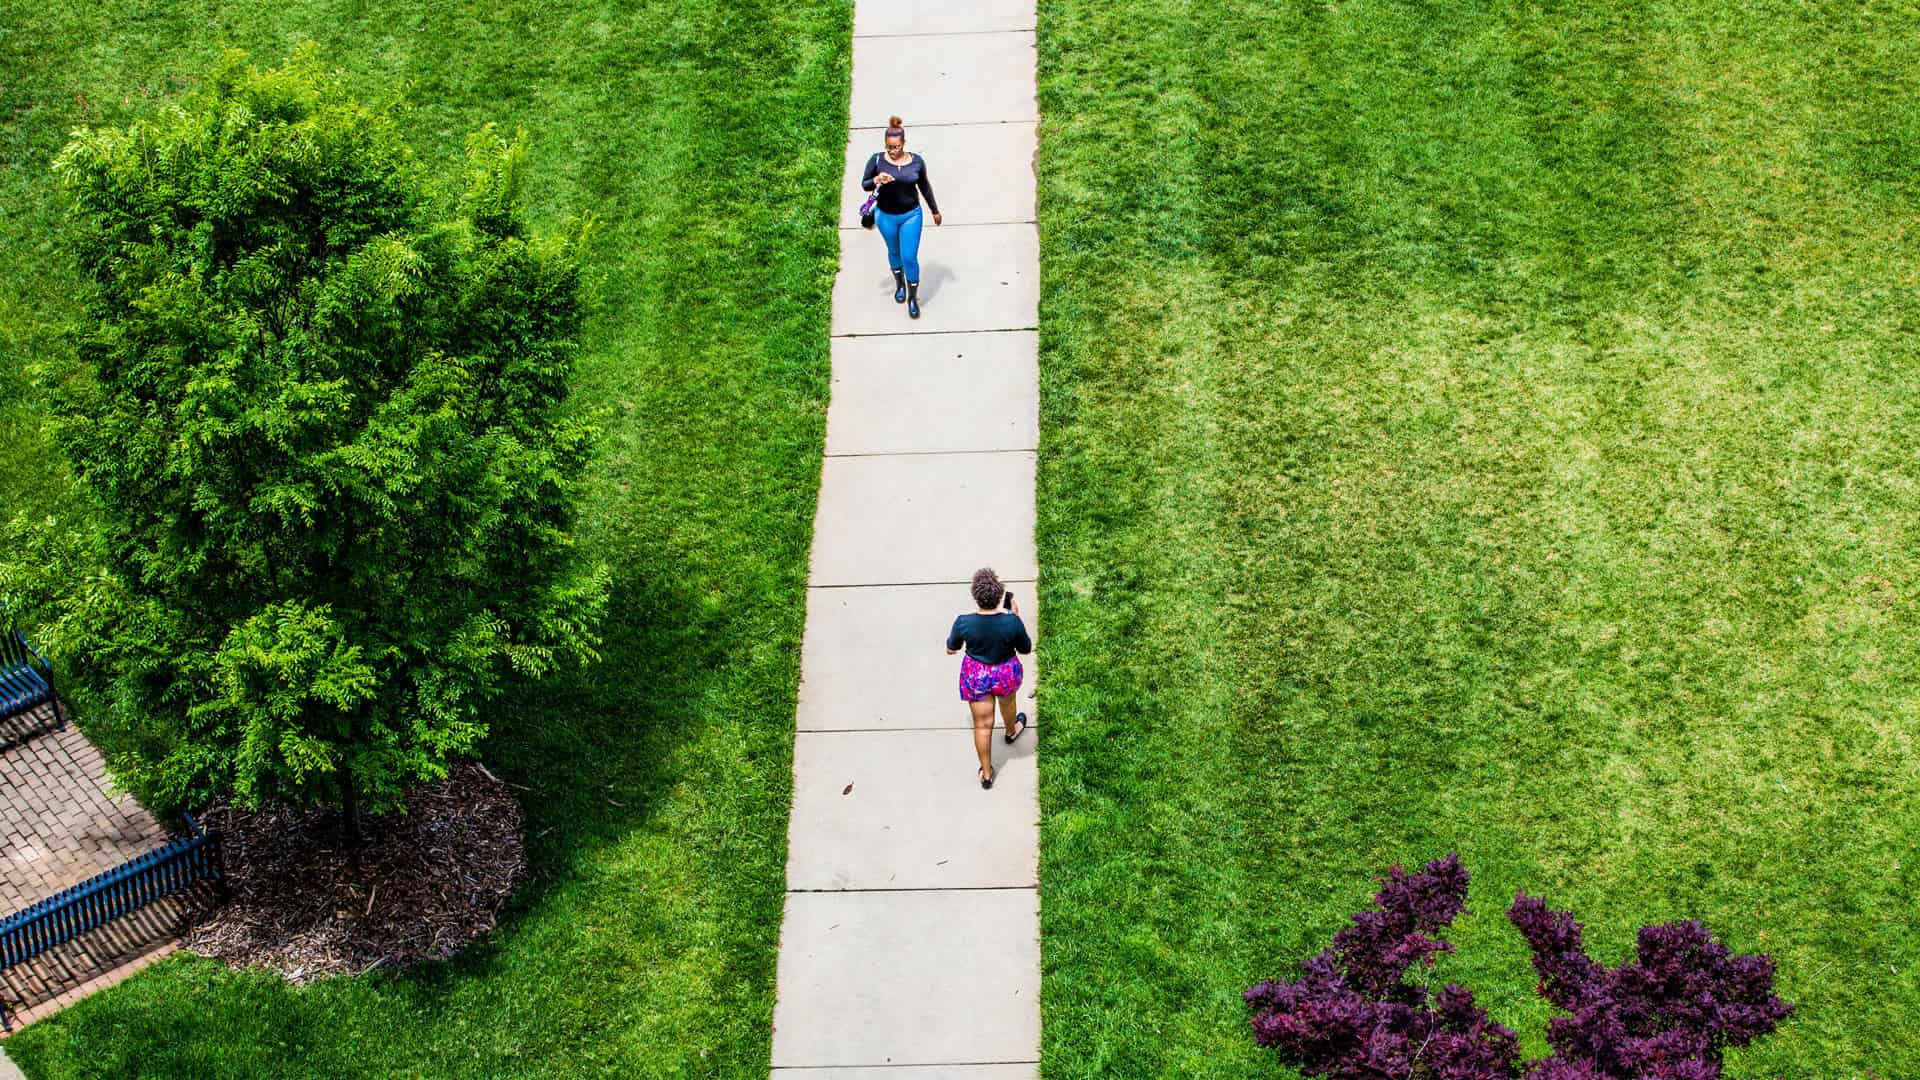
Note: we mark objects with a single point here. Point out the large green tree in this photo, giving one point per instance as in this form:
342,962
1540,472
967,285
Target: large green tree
326,422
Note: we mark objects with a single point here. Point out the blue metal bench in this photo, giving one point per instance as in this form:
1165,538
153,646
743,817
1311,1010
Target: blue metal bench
26,680
163,872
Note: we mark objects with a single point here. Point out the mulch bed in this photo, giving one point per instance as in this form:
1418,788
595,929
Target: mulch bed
430,881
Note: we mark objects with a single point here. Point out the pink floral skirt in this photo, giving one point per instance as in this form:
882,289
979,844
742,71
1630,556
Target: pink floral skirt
979,681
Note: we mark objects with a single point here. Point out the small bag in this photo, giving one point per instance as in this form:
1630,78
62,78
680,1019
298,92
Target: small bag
866,208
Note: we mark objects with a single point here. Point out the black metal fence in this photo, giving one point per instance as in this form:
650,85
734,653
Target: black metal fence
163,872
29,703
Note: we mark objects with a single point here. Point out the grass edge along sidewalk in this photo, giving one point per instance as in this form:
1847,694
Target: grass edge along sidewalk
1482,428
708,141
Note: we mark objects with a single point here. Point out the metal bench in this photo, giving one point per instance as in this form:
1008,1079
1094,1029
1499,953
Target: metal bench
26,683
166,871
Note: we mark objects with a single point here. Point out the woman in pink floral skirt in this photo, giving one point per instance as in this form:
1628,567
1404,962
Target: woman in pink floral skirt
990,671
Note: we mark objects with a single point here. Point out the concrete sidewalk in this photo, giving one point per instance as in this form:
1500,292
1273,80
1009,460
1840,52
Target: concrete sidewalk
910,947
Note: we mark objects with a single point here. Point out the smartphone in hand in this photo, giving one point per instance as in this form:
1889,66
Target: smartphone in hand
1007,600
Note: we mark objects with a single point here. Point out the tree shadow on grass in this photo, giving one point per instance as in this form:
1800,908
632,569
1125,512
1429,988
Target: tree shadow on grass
586,751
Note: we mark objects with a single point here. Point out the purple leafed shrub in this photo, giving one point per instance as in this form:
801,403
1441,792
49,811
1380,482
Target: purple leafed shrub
1353,1016
1667,1015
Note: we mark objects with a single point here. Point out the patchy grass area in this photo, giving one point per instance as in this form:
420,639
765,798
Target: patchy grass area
708,140
1487,427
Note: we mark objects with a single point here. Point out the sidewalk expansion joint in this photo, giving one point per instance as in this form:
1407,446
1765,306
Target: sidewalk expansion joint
928,453
902,584
1033,725
950,33
948,123
923,333
909,1065
923,888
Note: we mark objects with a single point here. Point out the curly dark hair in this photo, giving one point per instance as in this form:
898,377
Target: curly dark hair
987,589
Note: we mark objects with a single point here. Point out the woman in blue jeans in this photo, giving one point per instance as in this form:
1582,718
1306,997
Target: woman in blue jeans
899,179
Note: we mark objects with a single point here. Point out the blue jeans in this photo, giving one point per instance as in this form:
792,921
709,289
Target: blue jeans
902,234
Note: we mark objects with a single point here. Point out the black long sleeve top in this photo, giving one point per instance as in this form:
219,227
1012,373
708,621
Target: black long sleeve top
903,192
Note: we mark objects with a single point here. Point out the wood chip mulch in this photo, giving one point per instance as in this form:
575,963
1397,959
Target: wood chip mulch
430,881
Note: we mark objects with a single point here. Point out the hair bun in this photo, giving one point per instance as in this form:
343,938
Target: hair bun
986,588
893,121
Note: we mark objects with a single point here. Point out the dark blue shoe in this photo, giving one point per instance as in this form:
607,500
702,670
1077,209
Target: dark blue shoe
899,287
913,301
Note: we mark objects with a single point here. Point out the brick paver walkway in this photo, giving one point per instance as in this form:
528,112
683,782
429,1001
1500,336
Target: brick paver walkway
58,824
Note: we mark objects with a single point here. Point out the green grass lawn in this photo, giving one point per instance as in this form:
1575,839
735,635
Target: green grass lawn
1491,427
708,140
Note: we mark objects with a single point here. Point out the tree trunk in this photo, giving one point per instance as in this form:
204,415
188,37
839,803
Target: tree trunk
350,816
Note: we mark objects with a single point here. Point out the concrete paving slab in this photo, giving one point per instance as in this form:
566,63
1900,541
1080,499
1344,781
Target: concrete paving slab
972,277
897,978
874,658
980,172
10,1071
905,810
941,16
944,79
943,393
921,518
1026,1071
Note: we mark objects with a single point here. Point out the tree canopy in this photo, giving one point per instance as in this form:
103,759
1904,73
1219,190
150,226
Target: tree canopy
327,426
